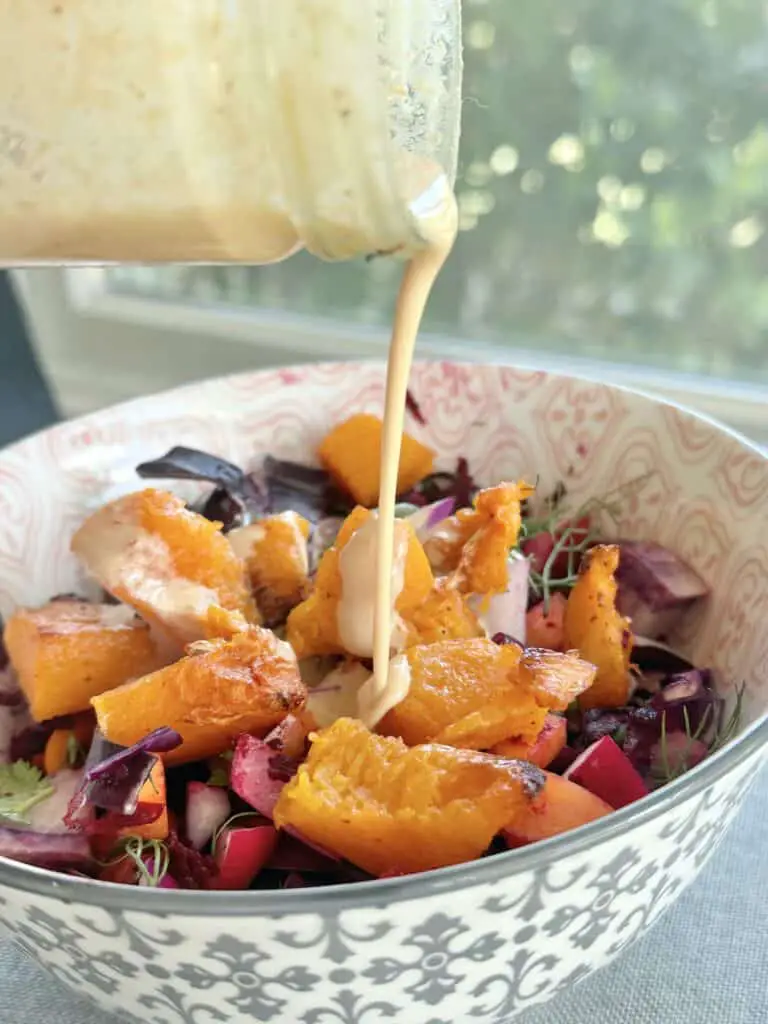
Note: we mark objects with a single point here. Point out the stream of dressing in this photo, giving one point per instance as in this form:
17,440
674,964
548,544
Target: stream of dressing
438,226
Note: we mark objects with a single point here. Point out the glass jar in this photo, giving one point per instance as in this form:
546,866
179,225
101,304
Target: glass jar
223,130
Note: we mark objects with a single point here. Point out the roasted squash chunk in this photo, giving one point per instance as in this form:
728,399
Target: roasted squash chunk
275,555
595,627
475,543
391,809
444,614
337,617
220,689
475,693
351,453
465,693
171,564
69,651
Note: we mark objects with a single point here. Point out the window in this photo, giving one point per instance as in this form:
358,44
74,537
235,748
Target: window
613,192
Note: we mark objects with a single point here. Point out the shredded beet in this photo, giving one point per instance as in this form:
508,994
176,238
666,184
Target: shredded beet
190,868
414,408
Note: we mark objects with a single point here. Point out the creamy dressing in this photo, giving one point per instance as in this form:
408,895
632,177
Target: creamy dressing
349,691
356,610
437,214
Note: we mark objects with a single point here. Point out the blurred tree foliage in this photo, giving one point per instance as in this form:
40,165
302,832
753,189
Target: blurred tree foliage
613,191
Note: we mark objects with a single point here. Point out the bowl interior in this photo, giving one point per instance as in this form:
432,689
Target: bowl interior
676,478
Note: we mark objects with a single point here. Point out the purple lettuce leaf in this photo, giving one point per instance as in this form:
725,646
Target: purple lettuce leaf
113,777
458,485
238,498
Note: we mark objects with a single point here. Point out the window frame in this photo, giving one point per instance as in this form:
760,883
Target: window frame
63,304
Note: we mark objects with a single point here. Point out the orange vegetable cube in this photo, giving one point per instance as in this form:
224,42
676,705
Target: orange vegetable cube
220,689
351,453
275,555
168,562
391,809
594,626
547,628
324,623
69,651
152,794
543,750
560,807
465,693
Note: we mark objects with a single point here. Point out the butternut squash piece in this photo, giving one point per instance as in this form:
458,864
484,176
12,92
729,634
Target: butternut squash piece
594,626
69,651
313,626
465,693
351,453
391,809
220,689
168,562
152,794
276,559
474,544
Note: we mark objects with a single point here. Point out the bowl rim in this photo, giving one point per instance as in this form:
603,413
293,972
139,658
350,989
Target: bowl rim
381,892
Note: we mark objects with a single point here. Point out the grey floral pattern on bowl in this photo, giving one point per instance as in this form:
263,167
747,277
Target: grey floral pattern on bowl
484,954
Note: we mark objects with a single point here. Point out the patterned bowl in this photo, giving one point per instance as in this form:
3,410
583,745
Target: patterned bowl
476,943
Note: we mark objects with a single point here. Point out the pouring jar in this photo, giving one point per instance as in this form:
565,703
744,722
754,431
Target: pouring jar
223,130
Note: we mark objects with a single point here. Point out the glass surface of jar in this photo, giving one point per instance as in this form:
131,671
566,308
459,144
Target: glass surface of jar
223,130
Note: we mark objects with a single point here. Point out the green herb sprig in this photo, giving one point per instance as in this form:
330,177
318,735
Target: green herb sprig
573,540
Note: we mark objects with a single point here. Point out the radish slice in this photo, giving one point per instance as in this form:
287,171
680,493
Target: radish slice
207,810
506,612
676,754
241,853
606,771
259,773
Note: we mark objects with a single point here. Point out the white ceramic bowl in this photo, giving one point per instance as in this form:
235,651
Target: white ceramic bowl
474,943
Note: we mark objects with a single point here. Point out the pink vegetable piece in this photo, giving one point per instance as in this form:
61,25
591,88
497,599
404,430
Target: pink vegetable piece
207,810
606,771
676,755
259,773
655,587
241,853
48,815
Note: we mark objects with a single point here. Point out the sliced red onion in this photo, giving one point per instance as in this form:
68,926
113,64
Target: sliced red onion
207,809
688,702
505,613
655,587
425,519
46,849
